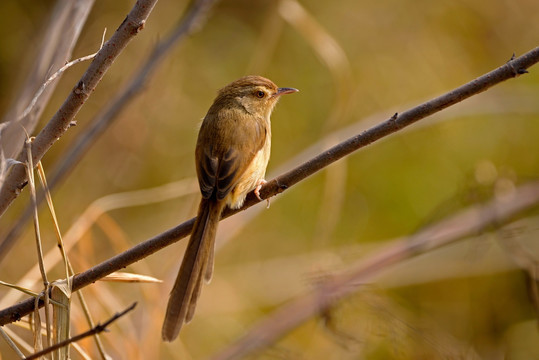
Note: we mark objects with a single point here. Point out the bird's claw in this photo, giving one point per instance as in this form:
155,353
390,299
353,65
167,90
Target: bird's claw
257,192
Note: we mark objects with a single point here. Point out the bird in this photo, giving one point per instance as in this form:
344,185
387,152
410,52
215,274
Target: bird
231,156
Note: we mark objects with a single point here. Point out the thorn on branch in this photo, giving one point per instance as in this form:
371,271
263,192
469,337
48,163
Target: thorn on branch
282,187
16,316
123,22
394,117
140,27
22,186
80,88
516,72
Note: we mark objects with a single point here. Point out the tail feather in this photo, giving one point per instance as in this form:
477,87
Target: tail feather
193,302
195,264
208,272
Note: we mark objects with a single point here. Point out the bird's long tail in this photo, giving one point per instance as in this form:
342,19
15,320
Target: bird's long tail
197,264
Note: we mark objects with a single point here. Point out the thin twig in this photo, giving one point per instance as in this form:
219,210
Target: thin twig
512,69
26,291
95,330
54,76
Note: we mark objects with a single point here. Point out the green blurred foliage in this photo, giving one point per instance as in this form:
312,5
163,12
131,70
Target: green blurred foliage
398,54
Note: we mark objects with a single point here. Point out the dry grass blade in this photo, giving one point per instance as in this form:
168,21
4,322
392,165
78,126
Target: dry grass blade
61,292
11,343
26,291
36,327
31,182
95,210
130,278
61,246
90,215
39,246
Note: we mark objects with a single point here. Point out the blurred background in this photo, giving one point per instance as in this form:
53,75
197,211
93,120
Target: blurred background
356,63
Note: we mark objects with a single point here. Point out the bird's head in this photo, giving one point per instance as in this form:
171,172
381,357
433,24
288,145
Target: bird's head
255,94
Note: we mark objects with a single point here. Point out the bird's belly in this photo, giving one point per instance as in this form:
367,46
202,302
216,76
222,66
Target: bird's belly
250,178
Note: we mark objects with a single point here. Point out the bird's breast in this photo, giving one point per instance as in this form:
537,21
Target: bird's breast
250,179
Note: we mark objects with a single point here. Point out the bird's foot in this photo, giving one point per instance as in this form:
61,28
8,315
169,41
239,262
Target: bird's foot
257,191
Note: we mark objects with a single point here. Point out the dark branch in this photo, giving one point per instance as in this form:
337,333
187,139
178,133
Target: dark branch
95,330
285,181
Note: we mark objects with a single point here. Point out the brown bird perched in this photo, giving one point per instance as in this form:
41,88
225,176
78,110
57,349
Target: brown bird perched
231,155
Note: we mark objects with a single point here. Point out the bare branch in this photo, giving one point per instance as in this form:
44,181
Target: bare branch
512,69
191,21
468,222
106,117
95,330
61,121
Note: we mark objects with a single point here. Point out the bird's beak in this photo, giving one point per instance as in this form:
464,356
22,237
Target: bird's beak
282,91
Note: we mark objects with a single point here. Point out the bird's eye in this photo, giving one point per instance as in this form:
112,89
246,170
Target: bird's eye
260,94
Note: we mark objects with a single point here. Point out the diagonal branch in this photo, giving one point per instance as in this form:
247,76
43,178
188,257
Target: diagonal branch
61,121
507,71
473,220
93,331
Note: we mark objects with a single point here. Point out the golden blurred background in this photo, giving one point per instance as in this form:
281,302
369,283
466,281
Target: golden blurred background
356,63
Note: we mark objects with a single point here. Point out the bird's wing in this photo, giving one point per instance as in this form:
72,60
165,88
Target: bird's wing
225,148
